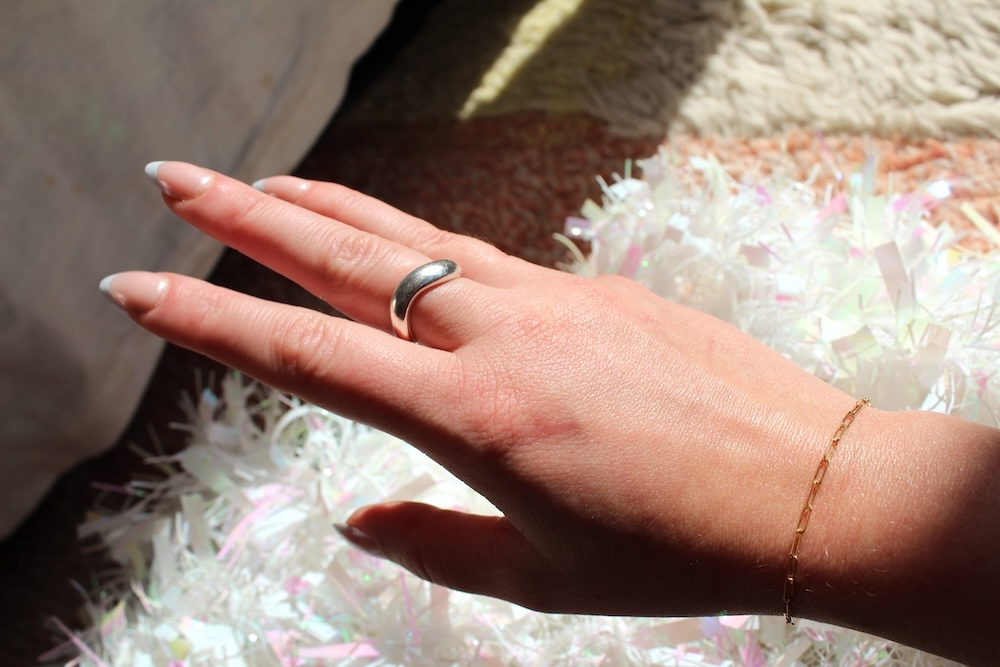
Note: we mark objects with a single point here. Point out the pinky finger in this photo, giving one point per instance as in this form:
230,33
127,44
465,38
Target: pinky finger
354,370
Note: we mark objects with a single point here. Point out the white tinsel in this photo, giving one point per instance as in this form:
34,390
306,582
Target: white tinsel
232,559
856,287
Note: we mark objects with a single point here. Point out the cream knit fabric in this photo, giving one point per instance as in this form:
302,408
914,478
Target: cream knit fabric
731,67
916,67
90,92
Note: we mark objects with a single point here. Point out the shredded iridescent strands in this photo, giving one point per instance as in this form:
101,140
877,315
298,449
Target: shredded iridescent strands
853,286
233,560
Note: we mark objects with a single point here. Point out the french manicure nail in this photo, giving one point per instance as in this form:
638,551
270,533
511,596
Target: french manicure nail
179,180
359,538
289,188
137,292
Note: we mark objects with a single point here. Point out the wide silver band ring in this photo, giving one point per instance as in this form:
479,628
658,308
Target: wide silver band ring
417,281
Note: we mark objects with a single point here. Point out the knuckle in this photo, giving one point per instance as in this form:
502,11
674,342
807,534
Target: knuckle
201,314
612,279
442,243
343,251
424,560
347,202
202,308
302,346
259,208
484,250
354,199
603,291
541,331
344,203
614,287
429,236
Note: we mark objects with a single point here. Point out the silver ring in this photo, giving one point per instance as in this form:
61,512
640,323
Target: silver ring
417,281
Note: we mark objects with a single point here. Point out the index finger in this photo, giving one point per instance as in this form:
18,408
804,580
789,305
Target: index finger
352,369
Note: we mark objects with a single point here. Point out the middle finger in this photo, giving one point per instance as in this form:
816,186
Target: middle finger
354,271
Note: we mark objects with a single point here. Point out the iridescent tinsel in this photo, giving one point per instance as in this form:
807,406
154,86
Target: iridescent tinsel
854,286
232,559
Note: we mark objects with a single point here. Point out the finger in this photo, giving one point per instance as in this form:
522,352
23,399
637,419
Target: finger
466,552
489,265
353,270
347,367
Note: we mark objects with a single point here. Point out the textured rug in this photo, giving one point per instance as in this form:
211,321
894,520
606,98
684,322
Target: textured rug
713,67
757,83
497,117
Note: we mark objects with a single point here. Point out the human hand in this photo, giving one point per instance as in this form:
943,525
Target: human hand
647,458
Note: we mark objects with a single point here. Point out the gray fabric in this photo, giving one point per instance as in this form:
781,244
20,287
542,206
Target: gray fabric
90,92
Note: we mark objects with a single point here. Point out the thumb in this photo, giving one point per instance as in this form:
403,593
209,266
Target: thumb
466,552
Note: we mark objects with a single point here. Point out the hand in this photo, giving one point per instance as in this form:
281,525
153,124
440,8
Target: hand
647,458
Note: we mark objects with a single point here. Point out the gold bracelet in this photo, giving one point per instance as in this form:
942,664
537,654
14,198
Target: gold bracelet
793,553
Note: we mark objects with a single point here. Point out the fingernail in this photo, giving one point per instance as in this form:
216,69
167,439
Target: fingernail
359,538
179,180
137,292
288,188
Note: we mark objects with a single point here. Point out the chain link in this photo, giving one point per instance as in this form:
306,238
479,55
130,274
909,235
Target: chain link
807,508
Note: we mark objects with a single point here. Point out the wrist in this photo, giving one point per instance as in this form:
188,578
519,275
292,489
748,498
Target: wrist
897,546
855,524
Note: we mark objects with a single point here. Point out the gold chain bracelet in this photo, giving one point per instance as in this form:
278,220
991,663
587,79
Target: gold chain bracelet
807,508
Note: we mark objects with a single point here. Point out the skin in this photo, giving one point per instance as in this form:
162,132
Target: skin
648,459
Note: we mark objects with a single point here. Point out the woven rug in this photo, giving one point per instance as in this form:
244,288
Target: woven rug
567,88
496,118
713,67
